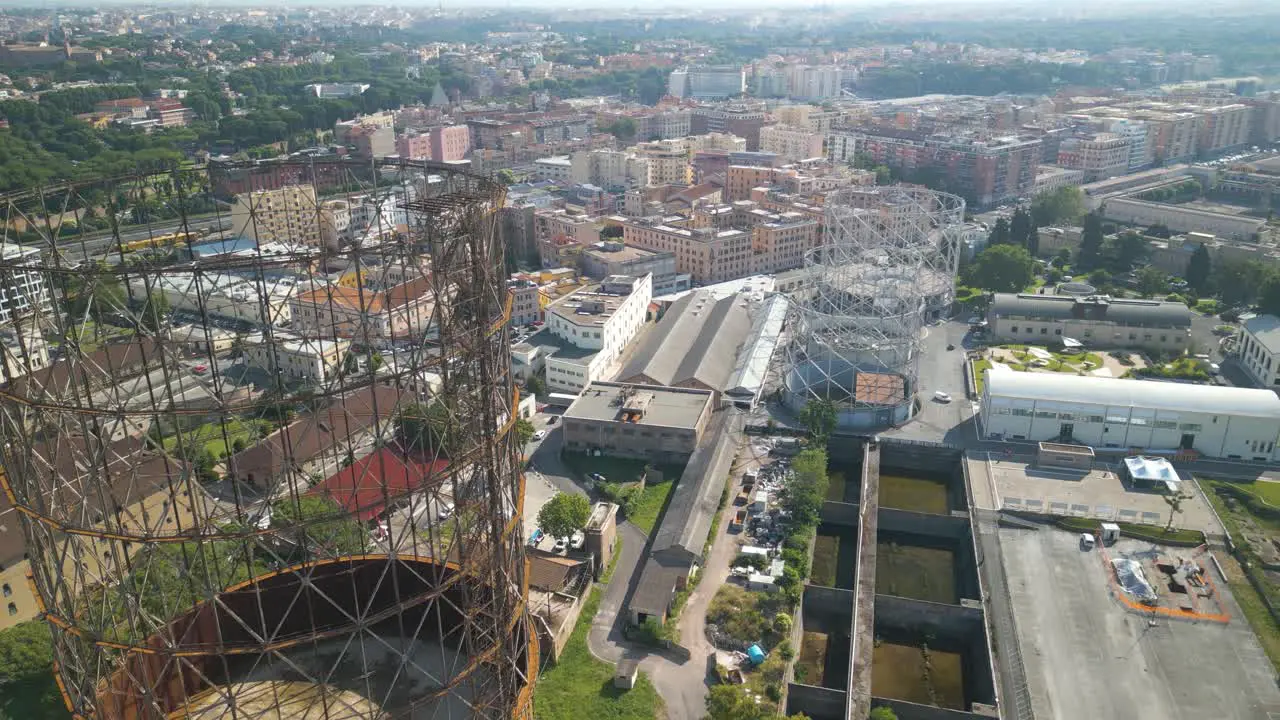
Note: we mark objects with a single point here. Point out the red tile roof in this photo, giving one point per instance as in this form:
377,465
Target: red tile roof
364,488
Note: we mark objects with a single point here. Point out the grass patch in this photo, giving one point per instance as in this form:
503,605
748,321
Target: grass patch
746,616
616,470
580,686
652,501
979,366
826,548
1267,492
218,437
1152,533
812,661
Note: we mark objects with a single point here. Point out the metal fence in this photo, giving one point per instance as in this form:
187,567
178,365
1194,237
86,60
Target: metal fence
1015,694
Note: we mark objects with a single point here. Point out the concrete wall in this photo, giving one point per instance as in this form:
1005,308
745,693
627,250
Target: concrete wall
921,456
911,711
957,626
947,527
818,703
834,603
839,513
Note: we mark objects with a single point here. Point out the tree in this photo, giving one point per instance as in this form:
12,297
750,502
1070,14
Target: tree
1174,500
506,177
1020,228
534,385
999,233
1269,296
730,702
1003,268
1151,281
25,650
1091,241
431,429
884,176
155,312
807,490
524,430
1126,251
623,128
320,526
819,418
883,713
1064,205
1199,269
564,514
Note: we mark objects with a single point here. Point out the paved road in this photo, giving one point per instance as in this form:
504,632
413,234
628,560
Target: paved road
682,685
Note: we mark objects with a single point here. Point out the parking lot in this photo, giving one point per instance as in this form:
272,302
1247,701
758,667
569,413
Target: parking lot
1000,483
1087,656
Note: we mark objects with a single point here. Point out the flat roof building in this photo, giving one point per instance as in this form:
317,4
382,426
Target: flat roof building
642,421
1146,415
1259,348
1095,320
600,321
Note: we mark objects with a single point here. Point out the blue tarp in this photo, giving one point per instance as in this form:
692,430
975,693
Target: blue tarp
755,654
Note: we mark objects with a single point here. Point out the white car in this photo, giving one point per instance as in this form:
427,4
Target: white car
539,434
446,511
942,397
561,544
577,540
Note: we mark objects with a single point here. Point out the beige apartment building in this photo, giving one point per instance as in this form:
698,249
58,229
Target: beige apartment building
649,422
290,214
707,255
792,144
336,311
668,162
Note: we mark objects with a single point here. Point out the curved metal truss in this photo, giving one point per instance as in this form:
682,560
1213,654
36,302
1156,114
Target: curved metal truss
886,267
259,426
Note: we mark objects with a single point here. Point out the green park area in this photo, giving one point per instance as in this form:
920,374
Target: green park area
641,506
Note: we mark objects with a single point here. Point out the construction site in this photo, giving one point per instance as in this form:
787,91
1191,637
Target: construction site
259,432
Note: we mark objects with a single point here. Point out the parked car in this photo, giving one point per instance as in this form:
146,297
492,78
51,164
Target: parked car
200,369
537,536
538,435
446,511
597,477
552,420
942,397
561,544
577,540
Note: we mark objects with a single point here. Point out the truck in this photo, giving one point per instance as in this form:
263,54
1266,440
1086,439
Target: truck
739,519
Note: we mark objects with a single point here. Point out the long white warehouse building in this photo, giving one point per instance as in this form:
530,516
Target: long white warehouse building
1224,422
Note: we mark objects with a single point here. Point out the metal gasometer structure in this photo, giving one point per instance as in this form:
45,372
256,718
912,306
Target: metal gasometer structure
258,422
886,267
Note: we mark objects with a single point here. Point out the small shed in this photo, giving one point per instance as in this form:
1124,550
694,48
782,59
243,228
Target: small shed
1078,457
1110,533
759,582
624,675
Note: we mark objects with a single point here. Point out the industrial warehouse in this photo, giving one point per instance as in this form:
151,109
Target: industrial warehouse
1227,422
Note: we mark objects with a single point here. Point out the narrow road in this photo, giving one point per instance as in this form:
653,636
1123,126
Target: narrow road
681,684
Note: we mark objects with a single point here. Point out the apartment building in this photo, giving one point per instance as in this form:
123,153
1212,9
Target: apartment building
370,141
651,123
558,168
290,214
518,229
527,302
668,162
308,360
23,349
336,311
1180,218
707,82
790,143
1136,133
707,255
984,170
611,169
740,180
814,83
599,322
744,122
612,257
1223,127
414,146
716,142
342,129
22,291
1097,156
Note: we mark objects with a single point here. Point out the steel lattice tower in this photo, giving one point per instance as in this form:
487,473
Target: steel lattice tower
274,478
887,265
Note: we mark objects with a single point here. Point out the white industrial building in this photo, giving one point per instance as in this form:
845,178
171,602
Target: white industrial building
1148,415
1259,347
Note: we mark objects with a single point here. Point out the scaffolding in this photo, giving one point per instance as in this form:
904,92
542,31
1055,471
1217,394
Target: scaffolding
886,267
258,423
